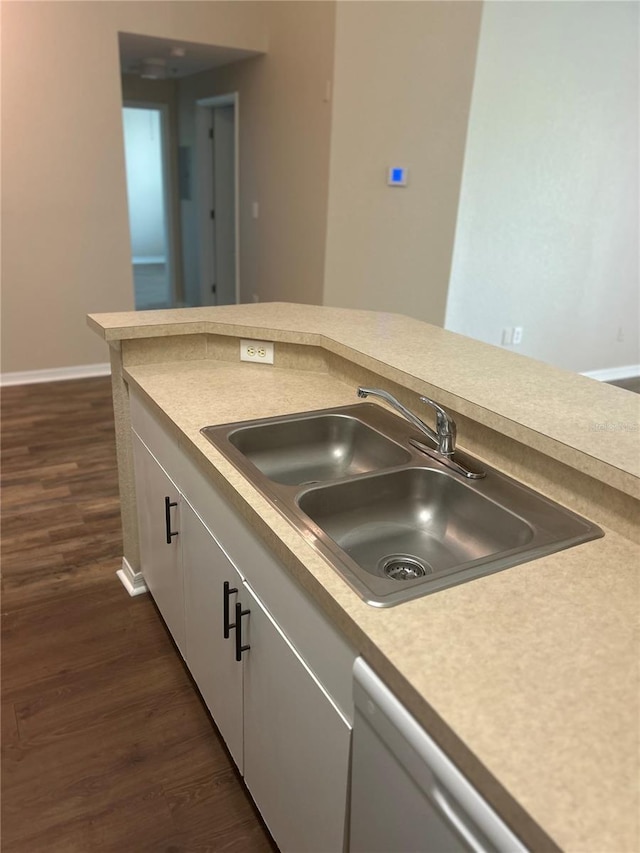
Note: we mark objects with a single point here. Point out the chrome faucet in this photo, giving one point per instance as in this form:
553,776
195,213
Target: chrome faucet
444,436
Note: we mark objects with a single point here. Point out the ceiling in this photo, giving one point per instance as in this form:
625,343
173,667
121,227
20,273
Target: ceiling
180,58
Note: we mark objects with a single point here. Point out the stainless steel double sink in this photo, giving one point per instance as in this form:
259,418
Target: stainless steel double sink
395,523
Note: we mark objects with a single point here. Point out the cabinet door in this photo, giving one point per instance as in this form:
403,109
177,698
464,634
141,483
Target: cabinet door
160,561
211,657
296,743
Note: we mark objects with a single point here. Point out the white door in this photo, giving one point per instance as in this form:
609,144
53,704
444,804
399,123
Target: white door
224,191
211,655
222,287
158,501
296,743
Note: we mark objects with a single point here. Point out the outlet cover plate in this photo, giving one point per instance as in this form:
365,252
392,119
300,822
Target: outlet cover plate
256,351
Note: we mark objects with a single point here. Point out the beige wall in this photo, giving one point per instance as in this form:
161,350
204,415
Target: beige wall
284,123
64,226
329,229
403,81
548,226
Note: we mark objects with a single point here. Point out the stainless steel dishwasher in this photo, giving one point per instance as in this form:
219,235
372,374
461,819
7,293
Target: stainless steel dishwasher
407,796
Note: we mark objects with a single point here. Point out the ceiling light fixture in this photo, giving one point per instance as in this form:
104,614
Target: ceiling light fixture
154,69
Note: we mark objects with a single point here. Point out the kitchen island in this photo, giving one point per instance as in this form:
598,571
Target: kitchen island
527,678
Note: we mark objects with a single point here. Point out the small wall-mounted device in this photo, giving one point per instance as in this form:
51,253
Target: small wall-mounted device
397,176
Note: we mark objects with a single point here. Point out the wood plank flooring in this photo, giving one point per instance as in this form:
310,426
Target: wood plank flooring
106,743
631,384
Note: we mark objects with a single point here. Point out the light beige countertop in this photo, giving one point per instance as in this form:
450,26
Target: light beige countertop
530,677
587,424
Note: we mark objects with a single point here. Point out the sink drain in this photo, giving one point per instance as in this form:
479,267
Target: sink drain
403,568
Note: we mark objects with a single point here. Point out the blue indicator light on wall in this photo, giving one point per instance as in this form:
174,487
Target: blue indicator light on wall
397,176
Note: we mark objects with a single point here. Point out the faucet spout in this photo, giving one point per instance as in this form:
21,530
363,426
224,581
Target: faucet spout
445,435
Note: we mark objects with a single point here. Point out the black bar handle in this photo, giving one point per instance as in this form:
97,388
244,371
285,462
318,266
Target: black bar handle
227,592
168,503
238,626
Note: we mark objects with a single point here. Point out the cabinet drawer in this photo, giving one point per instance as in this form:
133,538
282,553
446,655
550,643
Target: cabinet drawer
156,436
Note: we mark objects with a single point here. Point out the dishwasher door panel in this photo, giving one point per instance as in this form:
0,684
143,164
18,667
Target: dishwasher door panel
406,794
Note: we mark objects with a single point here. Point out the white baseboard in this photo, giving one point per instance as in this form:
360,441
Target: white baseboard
55,374
132,581
611,374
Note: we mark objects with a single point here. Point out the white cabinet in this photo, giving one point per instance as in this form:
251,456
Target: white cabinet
296,743
209,652
279,687
285,734
158,500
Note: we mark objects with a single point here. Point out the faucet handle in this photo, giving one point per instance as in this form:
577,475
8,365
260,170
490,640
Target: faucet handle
445,427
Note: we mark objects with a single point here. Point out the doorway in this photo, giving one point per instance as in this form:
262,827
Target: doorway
217,153
147,170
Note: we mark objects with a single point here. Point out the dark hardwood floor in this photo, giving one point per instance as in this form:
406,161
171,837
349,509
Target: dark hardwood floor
106,743
631,384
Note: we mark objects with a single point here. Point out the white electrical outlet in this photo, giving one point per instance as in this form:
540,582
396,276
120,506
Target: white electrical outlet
260,351
517,335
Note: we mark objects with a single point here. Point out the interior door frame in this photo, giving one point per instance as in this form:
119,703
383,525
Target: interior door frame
204,169
167,197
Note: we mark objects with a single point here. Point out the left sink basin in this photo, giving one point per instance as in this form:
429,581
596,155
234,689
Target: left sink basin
312,447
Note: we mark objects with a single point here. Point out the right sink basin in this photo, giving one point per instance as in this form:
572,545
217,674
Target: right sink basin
413,523
395,523
405,533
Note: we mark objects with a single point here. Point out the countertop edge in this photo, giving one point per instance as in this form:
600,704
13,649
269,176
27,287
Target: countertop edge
150,325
